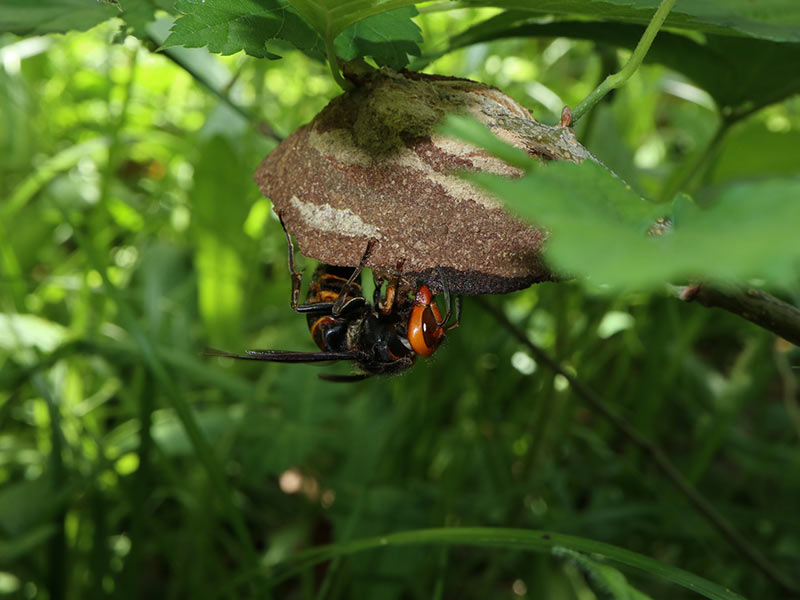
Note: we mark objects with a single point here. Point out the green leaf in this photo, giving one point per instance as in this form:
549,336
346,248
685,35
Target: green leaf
360,29
387,37
740,73
470,130
229,26
25,505
608,582
519,539
30,541
751,150
221,186
172,438
775,20
331,17
596,224
27,17
137,14
749,232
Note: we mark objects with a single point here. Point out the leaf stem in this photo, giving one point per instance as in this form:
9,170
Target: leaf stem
333,64
617,79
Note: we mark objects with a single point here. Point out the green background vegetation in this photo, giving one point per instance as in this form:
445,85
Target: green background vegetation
132,236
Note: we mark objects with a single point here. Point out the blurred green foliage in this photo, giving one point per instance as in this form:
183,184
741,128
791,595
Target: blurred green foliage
132,236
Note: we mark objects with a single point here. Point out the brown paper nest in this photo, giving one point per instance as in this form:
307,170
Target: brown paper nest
371,167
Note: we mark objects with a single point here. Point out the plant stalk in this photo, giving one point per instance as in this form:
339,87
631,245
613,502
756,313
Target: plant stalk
334,66
617,79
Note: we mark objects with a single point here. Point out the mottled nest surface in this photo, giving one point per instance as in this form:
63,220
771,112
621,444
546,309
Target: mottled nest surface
370,167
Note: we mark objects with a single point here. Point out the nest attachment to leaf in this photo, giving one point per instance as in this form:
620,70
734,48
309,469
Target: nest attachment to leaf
371,166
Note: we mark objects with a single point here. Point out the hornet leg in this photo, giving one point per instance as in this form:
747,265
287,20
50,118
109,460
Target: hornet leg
342,299
386,305
297,278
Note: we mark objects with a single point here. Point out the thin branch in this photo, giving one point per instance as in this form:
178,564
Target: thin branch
653,452
756,306
617,79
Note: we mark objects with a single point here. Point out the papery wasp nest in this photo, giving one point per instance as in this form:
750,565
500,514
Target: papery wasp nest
371,166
